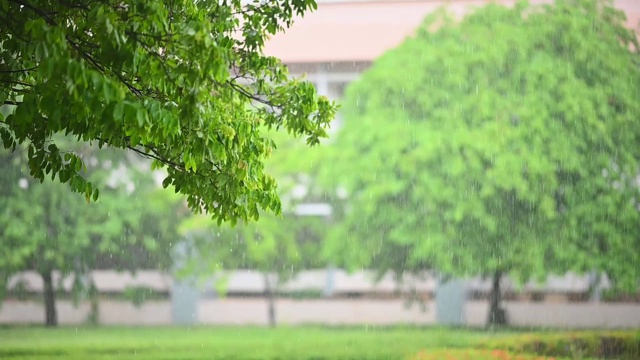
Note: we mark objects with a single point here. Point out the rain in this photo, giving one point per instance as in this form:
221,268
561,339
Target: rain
320,179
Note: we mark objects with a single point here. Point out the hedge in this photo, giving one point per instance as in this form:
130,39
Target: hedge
622,345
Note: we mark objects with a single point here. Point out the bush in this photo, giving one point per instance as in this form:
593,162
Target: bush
474,354
138,295
623,345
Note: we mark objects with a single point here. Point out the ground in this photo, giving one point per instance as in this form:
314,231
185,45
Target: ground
300,343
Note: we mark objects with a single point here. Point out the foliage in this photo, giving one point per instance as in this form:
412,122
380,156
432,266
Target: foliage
472,354
138,295
44,227
601,344
277,245
507,142
282,245
41,227
131,215
184,83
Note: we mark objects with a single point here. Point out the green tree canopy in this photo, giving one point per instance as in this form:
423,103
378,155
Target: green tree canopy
506,142
182,82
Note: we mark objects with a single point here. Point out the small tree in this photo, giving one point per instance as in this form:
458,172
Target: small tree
506,143
280,246
44,227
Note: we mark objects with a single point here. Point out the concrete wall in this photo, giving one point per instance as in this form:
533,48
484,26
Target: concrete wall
253,311
110,313
561,315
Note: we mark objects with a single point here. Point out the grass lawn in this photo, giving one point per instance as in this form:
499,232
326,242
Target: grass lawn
284,343
311,343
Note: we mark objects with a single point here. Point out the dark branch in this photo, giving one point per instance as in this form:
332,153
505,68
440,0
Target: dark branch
38,11
156,157
15,82
17,71
251,96
98,66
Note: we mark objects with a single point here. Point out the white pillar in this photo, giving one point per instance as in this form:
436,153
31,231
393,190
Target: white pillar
322,81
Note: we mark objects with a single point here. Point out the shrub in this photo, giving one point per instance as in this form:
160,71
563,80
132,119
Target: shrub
475,354
623,345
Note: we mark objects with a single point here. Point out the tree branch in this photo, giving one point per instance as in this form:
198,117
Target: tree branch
17,71
77,47
159,157
38,11
251,96
15,82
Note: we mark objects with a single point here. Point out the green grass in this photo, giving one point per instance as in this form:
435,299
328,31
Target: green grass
310,343
306,343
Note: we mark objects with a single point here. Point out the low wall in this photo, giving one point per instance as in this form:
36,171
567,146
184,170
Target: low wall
110,313
560,315
253,311
330,312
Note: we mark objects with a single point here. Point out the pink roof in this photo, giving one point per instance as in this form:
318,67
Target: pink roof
362,31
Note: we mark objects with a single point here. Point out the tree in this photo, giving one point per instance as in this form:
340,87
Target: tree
505,143
276,246
182,82
44,227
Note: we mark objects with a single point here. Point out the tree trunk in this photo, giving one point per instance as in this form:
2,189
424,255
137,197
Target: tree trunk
94,309
270,301
51,317
594,286
497,315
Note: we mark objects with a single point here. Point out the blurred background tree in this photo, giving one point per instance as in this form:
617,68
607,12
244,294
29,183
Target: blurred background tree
504,143
278,247
44,227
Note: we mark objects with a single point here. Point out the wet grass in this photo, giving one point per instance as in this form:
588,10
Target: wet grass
306,343
300,343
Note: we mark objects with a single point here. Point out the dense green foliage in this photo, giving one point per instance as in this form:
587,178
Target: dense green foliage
506,142
182,82
45,228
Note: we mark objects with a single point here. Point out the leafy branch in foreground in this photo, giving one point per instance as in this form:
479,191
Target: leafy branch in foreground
181,82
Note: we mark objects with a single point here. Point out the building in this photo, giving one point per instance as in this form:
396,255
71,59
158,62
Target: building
339,40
